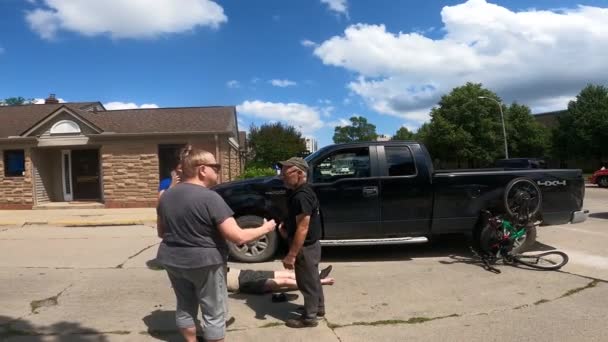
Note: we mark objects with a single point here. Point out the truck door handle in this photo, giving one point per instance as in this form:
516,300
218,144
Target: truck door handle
370,191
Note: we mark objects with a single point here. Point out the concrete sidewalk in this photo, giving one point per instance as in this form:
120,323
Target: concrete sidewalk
79,217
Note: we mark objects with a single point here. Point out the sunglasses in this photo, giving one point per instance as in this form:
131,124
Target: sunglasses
216,167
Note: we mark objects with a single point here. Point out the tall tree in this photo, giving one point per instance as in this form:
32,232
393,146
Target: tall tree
583,130
404,134
15,101
466,128
526,136
358,130
271,143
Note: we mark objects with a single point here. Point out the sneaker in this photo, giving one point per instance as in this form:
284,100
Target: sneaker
283,297
320,313
325,272
230,321
301,323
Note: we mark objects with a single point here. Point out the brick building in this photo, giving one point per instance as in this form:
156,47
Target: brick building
72,152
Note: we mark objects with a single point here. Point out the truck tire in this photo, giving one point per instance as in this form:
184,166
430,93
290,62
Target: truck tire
602,182
259,250
517,192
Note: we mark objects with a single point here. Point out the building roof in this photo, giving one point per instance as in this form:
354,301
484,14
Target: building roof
165,120
549,119
15,120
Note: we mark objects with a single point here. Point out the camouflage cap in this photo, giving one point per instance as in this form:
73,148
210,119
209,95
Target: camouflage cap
298,162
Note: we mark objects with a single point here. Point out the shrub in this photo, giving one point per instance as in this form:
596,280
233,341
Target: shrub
252,172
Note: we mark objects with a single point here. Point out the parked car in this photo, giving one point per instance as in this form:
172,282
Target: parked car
600,177
521,163
394,196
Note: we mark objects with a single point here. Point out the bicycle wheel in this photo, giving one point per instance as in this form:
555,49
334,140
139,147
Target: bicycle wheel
522,197
552,260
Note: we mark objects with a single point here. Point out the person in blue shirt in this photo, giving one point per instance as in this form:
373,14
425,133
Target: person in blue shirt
169,182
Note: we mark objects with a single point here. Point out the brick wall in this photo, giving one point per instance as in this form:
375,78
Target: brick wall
17,192
130,174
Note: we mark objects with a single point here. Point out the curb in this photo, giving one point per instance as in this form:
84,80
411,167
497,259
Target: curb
102,223
80,223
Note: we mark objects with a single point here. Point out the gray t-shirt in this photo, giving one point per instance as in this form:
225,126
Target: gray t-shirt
190,215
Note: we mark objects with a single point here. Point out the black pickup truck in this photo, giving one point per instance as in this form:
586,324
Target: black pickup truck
374,193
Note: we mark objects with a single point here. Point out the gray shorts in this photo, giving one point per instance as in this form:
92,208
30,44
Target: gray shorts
204,287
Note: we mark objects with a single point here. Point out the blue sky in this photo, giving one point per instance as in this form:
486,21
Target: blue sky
310,63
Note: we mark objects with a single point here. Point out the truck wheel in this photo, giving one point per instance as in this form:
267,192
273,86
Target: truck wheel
522,197
525,243
259,250
602,182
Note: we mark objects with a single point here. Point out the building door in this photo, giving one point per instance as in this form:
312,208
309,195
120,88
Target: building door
85,175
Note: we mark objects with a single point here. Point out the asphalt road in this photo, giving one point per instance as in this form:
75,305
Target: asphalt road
92,284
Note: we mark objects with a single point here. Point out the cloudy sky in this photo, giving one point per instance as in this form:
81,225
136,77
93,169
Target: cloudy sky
309,63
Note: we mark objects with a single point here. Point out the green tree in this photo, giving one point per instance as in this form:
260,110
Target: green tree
526,137
15,101
466,128
358,130
271,143
404,134
583,130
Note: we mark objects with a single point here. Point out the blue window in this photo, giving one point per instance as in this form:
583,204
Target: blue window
14,163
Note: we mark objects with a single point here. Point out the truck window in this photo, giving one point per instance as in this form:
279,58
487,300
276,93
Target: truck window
399,161
349,163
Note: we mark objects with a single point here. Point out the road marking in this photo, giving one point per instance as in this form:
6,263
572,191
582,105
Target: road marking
582,258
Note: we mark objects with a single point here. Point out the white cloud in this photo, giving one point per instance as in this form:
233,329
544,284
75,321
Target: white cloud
538,58
338,6
308,43
340,122
41,101
127,105
233,84
301,116
283,83
551,104
124,19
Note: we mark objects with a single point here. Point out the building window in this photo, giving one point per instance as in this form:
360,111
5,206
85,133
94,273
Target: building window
14,163
65,127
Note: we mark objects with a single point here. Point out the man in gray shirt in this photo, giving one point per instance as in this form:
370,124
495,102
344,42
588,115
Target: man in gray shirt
194,223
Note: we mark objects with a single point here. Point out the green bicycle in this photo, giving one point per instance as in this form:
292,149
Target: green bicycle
496,242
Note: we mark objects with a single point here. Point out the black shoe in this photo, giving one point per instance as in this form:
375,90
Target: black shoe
283,297
230,321
320,313
325,272
301,323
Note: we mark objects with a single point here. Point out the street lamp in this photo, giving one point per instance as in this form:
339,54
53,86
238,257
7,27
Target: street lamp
502,118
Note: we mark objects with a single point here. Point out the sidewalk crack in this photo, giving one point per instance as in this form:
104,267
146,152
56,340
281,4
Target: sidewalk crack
47,302
136,254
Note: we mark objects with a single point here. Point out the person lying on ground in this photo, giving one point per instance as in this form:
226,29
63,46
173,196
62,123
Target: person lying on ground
260,282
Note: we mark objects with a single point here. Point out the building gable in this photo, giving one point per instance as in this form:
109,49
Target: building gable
66,116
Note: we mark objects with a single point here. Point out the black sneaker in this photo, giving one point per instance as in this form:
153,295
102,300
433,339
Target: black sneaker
230,321
325,272
283,297
301,323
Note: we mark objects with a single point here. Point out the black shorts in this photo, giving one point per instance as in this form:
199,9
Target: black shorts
253,281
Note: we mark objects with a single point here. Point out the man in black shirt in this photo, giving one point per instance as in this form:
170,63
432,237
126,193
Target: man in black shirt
302,228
